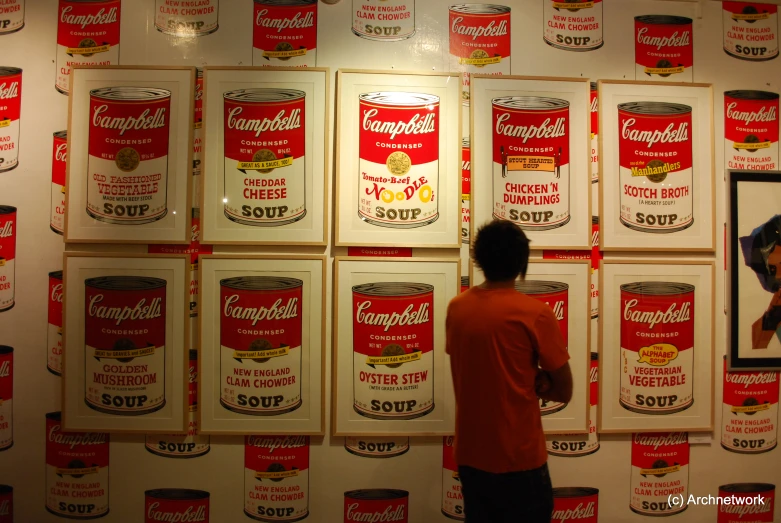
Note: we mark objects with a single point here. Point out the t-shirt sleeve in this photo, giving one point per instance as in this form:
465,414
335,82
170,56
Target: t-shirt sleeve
549,341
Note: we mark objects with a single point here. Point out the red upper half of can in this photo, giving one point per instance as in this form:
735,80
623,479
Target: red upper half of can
743,118
448,456
8,236
177,508
260,452
740,7
59,160
379,321
6,376
249,315
10,96
670,42
475,31
649,320
75,449
531,132
142,125
125,319
559,304
294,25
55,301
649,449
78,21
466,170
594,112
387,128
276,126
762,386
198,107
662,137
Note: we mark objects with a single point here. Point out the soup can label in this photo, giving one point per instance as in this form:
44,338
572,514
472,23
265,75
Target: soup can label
452,495
197,135
384,20
260,338
6,397
11,18
276,478
76,471
125,335
575,504
751,130
6,498
54,357
376,505
750,30
664,48
380,447
7,256
87,34
284,33
59,156
393,350
750,411
399,159
182,18
746,502
265,156
574,25
10,112
594,149
660,469
466,189
531,161
464,283
576,445
655,145
479,41
176,505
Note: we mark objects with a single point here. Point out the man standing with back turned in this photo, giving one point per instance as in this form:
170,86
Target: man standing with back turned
506,350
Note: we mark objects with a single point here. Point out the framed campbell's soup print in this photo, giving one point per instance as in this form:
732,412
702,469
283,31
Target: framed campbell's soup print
391,374
262,333
563,285
754,263
398,159
531,138
656,144
266,155
125,360
129,165
656,345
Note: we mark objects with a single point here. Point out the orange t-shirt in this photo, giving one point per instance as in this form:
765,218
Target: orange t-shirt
496,339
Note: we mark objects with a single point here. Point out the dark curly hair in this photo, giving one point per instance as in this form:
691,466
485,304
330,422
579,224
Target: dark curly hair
501,250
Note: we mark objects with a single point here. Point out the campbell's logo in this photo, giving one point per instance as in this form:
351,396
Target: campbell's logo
9,90
418,124
190,514
7,230
594,104
672,315
298,21
389,514
277,311
281,122
101,17
142,122
466,165
656,441
595,238
56,294
558,309
764,114
76,439
449,441
393,319
594,375
763,507
654,136
60,154
580,512
198,91
478,31
141,311
272,443
5,369
195,233
750,379
193,375
5,508
673,40
545,130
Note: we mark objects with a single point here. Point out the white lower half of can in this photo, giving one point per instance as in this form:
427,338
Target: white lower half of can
306,60
92,490
576,445
180,446
6,284
547,209
650,495
502,67
765,159
657,399
452,495
58,208
9,146
64,61
405,200
283,500
54,356
670,209
749,434
143,387
405,392
6,425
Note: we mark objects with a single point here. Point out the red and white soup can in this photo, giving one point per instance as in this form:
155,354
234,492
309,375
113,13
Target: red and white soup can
11,18
750,30
7,256
192,444
393,350
379,447
276,478
54,333
479,41
76,471
265,156
660,469
576,445
575,504
596,257
127,178
573,25
556,296
384,20
6,504
125,335
531,161
59,162
464,283
751,130
657,347
594,150
376,505
10,112
664,48
399,159
285,33
466,189
189,19
6,397
260,338
748,503
655,145
452,495
749,413
87,34
176,505
197,135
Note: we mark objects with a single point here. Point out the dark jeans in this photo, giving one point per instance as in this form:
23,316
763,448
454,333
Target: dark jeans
513,497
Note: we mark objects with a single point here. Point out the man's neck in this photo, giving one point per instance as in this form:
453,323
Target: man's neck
498,284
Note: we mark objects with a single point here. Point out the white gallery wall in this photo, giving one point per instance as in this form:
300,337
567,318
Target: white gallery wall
333,471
